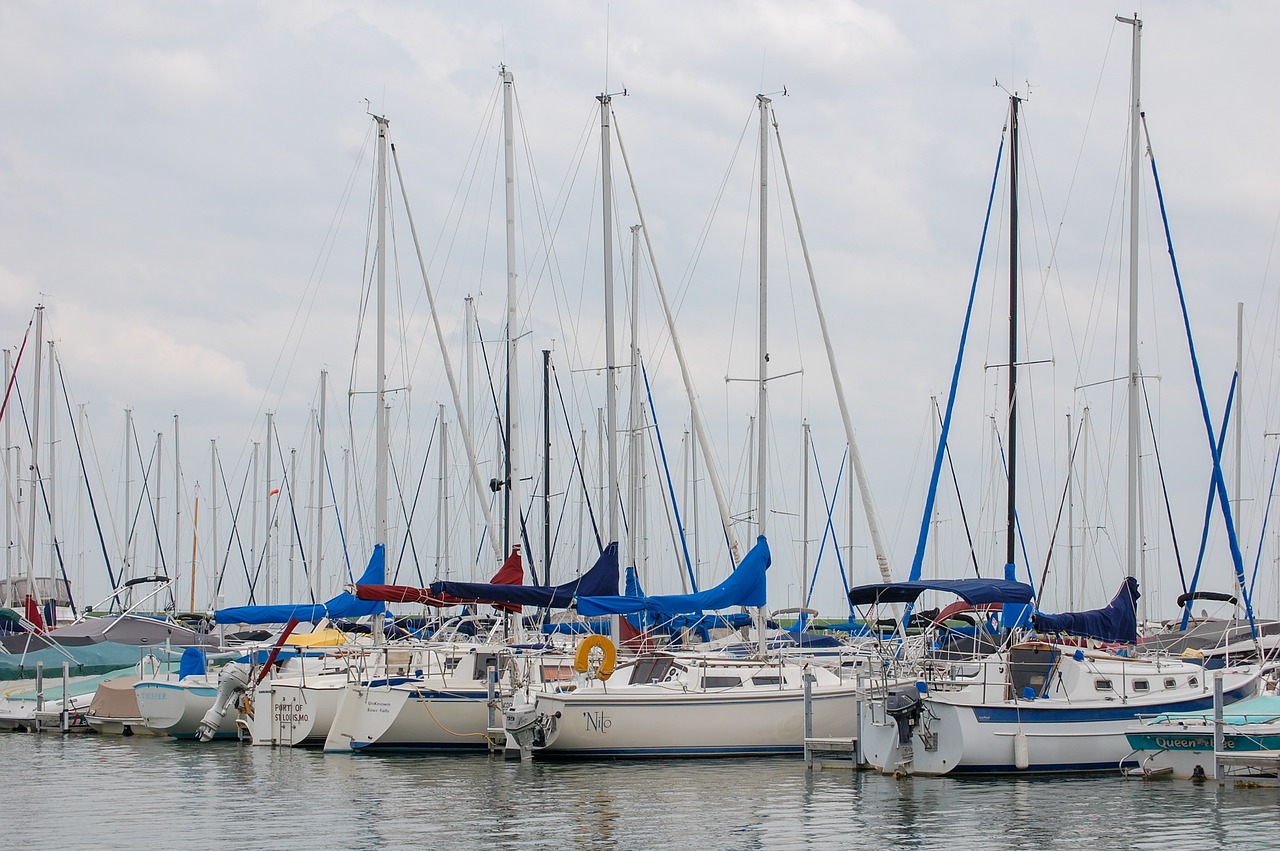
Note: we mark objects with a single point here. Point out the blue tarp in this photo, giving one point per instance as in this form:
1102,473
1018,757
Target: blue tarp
744,587
345,605
972,591
602,578
1118,621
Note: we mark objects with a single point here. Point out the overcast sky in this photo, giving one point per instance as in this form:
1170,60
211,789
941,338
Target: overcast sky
186,189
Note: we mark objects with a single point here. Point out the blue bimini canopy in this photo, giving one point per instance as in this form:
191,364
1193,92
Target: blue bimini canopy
602,578
345,605
973,591
1118,621
744,587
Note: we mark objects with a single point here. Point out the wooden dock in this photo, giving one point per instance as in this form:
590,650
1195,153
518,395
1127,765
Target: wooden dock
831,753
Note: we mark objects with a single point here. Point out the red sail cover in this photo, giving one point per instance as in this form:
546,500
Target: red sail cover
33,613
511,573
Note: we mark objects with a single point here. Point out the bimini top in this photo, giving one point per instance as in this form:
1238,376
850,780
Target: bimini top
972,591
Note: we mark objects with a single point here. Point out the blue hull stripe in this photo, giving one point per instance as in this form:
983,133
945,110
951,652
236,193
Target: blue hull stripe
1030,713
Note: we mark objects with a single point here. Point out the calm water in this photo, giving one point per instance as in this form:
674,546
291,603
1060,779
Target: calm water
100,792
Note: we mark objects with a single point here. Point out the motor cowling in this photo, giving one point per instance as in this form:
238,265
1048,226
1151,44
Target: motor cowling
233,682
904,706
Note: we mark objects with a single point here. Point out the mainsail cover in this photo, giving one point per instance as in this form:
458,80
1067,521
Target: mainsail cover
1118,621
345,605
744,587
602,578
511,573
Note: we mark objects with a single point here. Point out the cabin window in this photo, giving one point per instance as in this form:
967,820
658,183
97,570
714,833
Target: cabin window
653,669
1193,681
712,681
766,681
1102,685
1141,685
556,673
1170,682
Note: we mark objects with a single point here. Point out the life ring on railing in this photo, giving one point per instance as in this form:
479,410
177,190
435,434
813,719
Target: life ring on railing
582,660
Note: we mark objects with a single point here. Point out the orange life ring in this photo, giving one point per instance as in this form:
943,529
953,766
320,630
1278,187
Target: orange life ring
582,660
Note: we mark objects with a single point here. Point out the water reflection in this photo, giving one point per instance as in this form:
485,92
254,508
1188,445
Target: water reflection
139,792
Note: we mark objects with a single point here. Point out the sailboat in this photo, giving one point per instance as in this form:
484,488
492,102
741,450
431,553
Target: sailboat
1028,702
686,704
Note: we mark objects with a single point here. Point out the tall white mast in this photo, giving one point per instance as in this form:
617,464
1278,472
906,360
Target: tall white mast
318,489
51,478
382,443
213,545
762,408
35,456
130,519
1135,108
762,403
610,341
10,501
511,498
268,573
177,505
633,426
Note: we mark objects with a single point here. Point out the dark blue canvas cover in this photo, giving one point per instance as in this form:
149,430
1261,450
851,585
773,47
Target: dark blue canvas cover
972,591
602,578
1117,621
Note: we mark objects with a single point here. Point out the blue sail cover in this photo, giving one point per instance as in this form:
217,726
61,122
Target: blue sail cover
1118,621
744,587
972,591
345,605
602,578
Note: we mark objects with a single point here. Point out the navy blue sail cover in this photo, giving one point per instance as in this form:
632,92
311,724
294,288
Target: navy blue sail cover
972,591
1117,621
345,605
602,578
744,587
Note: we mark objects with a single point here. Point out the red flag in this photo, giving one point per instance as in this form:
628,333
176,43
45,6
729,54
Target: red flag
274,491
33,614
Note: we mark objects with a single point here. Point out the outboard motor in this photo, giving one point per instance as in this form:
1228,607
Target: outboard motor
904,706
232,683
527,728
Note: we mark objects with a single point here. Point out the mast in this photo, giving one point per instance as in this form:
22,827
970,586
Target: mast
213,515
269,577
804,514
1135,109
177,505
318,490
55,581
131,518
511,494
546,466
382,443
634,460
762,353
10,503
762,404
442,470
35,457
1011,518
610,341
